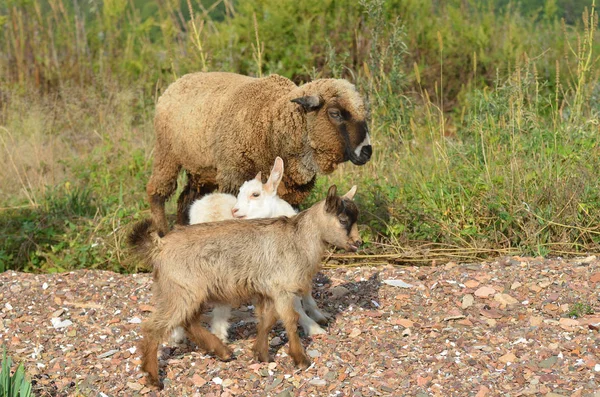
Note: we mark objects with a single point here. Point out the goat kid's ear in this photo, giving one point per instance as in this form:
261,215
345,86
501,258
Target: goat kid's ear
331,202
258,176
351,193
275,176
309,102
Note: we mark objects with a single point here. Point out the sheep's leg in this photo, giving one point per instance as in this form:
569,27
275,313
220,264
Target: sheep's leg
162,184
309,325
284,305
220,322
194,190
311,308
266,320
206,340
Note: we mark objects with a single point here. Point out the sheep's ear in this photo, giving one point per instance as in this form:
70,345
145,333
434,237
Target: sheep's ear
258,176
275,177
310,102
331,202
351,193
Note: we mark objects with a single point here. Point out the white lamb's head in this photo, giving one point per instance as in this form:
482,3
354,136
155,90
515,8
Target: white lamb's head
258,200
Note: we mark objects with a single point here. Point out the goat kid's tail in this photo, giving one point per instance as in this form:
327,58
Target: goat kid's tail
143,239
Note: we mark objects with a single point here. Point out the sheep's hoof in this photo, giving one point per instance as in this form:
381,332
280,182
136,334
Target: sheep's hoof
315,330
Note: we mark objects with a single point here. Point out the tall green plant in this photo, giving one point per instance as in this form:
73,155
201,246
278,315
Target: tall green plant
16,385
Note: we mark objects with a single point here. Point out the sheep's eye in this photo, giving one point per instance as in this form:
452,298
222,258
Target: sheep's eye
334,113
255,194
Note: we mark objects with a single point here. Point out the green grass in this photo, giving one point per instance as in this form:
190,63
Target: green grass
484,117
16,384
579,310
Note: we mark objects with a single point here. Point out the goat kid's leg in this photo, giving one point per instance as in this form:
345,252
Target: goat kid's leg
266,320
220,321
152,332
309,325
311,308
178,335
206,340
284,305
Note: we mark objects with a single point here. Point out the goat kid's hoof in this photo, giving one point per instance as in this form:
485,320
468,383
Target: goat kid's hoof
225,355
302,362
156,383
315,330
261,356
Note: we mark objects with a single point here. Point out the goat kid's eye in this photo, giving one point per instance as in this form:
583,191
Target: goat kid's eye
255,194
343,222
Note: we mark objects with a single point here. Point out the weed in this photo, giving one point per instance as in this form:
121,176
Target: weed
579,310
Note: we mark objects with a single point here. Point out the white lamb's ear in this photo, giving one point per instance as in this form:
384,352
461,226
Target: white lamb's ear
275,177
351,193
258,176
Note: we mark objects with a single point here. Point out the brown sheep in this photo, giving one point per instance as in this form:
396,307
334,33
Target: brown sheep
223,128
230,262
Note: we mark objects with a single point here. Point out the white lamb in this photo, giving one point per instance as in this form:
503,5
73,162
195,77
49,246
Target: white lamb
255,200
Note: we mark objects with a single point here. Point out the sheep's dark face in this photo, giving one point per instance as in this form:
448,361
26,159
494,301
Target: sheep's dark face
339,130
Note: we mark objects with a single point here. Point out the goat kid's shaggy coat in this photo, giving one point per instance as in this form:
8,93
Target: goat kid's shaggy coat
234,261
223,128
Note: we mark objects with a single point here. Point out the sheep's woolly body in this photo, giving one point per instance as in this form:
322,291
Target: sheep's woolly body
223,128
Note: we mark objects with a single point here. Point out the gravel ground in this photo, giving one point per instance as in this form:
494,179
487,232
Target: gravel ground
500,328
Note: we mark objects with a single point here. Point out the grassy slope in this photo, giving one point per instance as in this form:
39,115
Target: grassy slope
485,121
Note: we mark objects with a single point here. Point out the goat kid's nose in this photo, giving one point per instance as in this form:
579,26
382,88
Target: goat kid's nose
234,211
358,243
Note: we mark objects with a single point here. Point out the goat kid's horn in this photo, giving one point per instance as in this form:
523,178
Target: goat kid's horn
351,193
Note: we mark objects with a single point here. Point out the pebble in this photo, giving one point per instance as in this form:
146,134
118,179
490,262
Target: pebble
276,341
318,382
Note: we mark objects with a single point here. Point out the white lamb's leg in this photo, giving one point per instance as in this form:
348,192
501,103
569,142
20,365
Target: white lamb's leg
220,321
309,325
311,308
178,335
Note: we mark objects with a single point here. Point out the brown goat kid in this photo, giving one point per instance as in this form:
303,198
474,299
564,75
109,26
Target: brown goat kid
234,261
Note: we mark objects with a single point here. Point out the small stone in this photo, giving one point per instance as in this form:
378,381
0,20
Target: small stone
217,380
548,363
339,292
8,306
471,283
515,285
135,320
57,313
318,382
57,324
535,321
589,259
569,322
505,299
450,265
508,358
313,353
198,380
406,323
108,354
45,286
484,292
135,386
398,283
595,277
467,301
276,341
354,333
